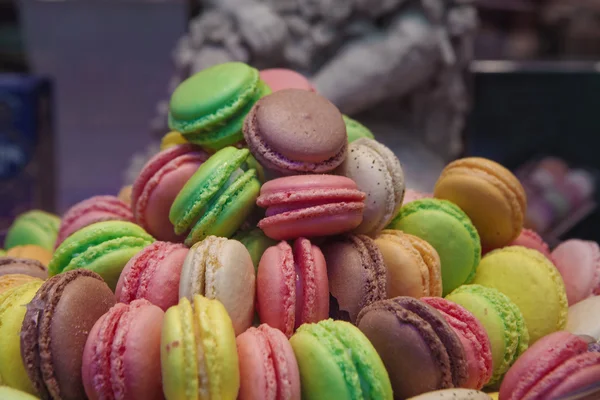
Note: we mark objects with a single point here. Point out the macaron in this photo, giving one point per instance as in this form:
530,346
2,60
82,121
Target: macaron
583,318
32,252
356,273
103,247
578,262
256,243
198,351
90,211
55,329
8,393
455,394
294,131
378,173
12,312
10,281
157,186
411,195
171,139
420,351
532,282
125,194
292,286
221,268
153,274
413,266
218,197
337,361
310,205
489,194
501,319
473,337
280,78
530,239
268,367
209,107
33,227
23,266
555,366
450,231
356,130
122,353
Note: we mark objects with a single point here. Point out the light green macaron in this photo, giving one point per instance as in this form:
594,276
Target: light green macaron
256,243
356,130
33,227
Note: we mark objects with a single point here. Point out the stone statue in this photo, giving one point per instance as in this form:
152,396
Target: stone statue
396,65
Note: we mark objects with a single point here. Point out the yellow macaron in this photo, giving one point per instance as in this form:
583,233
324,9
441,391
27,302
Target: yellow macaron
10,281
489,194
31,251
171,139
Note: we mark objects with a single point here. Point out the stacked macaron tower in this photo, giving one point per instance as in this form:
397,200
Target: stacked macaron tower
269,252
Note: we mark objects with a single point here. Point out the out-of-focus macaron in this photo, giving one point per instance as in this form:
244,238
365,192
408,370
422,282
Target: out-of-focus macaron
530,239
171,139
489,194
450,231
294,131
125,194
411,195
157,186
540,214
24,266
378,173
221,268
55,329
578,262
209,107
356,130
420,351
153,274
356,273
33,227
310,205
280,78
292,286
413,266
92,210
32,252
532,282
8,393
501,319
583,318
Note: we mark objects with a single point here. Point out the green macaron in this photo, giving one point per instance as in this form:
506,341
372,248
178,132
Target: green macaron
218,197
256,243
502,320
103,247
337,361
356,130
450,231
209,108
33,227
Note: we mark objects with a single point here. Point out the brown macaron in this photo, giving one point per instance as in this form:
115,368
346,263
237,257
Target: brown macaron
356,273
294,131
23,266
55,329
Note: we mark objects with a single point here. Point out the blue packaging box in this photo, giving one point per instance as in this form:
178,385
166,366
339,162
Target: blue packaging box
27,172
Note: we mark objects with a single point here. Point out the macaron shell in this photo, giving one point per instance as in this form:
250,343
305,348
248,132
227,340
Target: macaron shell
33,227
584,374
8,393
125,194
458,394
514,271
531,240
313,296
281,78
356,130
256,243
10,281
171,139
578,262
12,313
25,266
32,252
583,318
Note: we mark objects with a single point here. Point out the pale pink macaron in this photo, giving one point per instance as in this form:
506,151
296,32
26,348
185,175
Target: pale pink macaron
412,195
531,240
579,264
310,205
153,274
281,78
159,183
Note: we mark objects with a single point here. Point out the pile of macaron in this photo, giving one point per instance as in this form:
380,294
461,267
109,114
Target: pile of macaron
272,251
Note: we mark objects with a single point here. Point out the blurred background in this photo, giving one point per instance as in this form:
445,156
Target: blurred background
84,87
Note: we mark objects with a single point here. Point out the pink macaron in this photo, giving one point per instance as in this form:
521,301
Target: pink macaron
159,183
310,205
92,210
579,264
554,366
292,286
153,274
531,240
281,78
473,337
268,368
412,195
121,359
